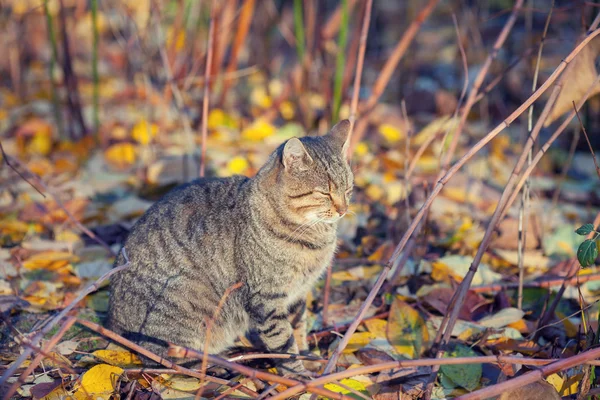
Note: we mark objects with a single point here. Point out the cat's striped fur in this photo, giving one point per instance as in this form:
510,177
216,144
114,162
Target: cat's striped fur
275,233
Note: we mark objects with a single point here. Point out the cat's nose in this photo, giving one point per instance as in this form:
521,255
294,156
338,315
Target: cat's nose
341,208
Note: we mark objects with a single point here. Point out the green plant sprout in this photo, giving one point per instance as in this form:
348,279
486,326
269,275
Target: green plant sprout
588,250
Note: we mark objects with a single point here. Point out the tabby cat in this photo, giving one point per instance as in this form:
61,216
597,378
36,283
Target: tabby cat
275,233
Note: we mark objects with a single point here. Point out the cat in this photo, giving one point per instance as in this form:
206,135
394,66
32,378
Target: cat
273,235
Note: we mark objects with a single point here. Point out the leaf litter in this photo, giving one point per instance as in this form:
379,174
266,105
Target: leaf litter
107,181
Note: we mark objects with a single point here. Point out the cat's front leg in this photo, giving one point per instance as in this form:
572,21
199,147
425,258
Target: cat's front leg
297,317
276,334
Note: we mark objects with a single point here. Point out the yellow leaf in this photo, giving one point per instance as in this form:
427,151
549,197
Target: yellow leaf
179,39
216,118
375,192
99,380
556,380
391,133
378,327
361,149
358,340
120,155
286,108
406,330
438,126
50,260
260,97
359,383
117,357
258,130
178,382
143,132
237,165
34,137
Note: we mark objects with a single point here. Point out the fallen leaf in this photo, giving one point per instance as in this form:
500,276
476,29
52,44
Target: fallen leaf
143,132
406,330
119,358
258,130
464,375
539,390
100,380
359,383
120,155
502,318
578,75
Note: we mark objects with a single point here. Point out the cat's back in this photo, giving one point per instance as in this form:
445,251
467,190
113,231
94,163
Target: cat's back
193,210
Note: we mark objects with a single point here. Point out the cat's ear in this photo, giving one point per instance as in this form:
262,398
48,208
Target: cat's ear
340,135
295,156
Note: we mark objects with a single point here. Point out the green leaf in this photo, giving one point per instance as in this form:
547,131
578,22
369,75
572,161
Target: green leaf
465,375
585,230
587,253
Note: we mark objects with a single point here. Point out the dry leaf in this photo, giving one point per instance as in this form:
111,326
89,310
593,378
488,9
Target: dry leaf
578,77
534,391
406,330
116,357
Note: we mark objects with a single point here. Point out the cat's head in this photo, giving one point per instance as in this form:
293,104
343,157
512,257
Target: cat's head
314,179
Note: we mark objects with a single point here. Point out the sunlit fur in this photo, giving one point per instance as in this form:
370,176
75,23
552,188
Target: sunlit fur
274,233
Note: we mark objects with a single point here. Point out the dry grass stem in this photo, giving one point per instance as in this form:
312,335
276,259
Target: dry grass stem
445,177
206,98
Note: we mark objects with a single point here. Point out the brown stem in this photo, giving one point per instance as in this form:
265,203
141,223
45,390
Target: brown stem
479,81
359,67
238,41
391,64
154,357
206,99
326,292
444,176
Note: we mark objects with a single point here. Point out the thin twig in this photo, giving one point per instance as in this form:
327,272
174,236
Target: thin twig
479,81
587,139
95,35
156,358
390,66
206,99
40,356
238,41
459,296
446,176
7,161
364,34
326,292
51,65
524,206
36,339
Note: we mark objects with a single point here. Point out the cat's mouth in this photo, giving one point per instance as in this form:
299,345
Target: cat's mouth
333,220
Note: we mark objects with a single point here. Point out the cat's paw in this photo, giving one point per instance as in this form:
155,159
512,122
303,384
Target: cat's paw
293,368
